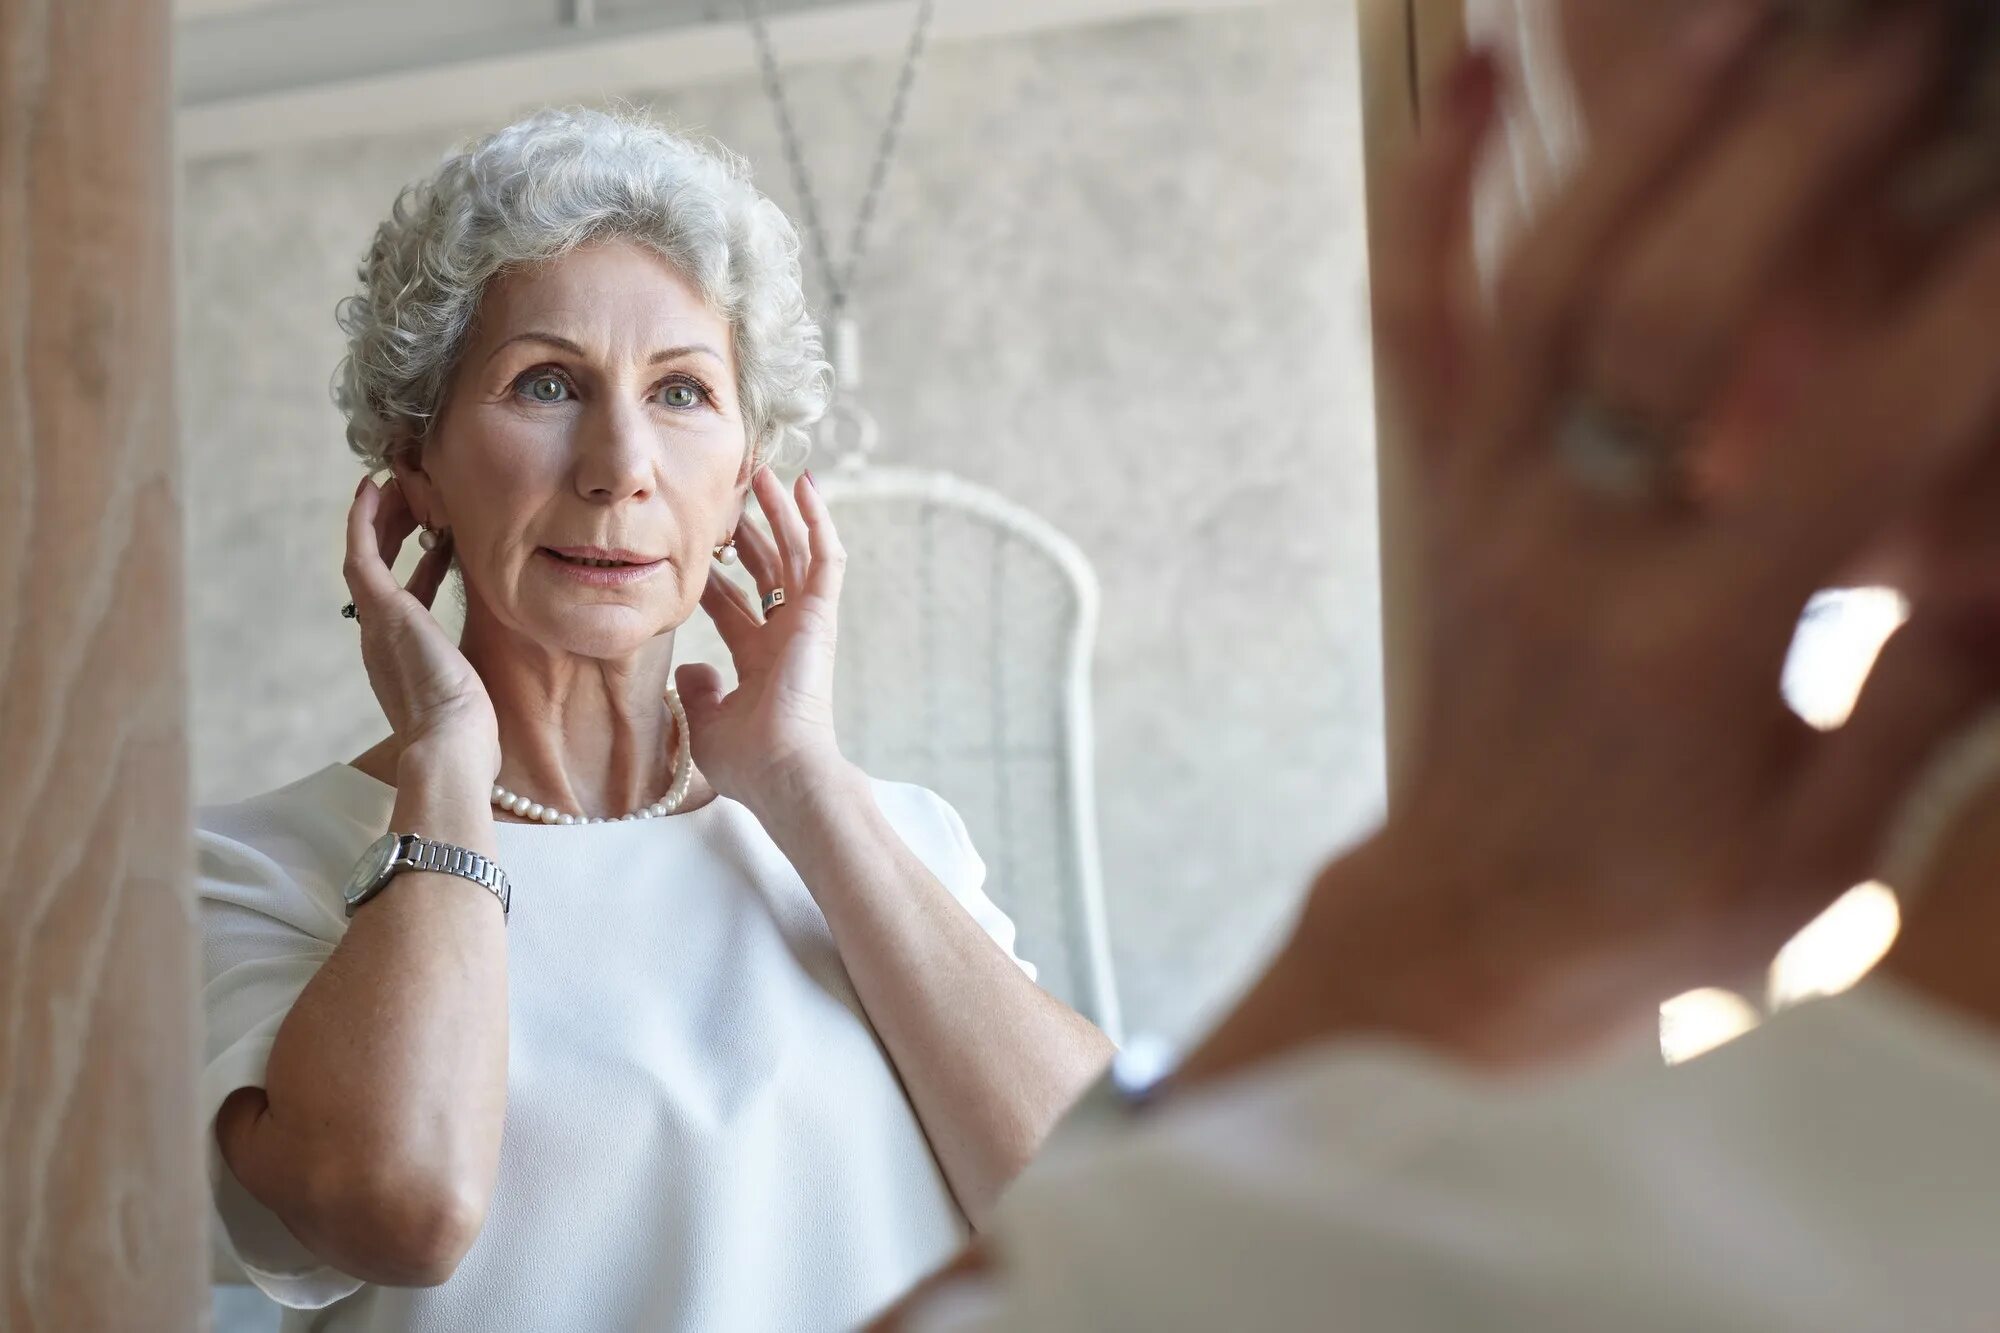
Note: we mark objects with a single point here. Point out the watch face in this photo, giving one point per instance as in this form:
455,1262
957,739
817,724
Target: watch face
370,869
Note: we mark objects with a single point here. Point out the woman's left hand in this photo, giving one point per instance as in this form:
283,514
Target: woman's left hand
771,738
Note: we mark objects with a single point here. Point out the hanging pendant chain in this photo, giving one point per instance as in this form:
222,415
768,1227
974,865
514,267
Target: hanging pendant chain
839,281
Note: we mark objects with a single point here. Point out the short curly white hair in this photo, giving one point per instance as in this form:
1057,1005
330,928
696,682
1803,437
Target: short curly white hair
537,190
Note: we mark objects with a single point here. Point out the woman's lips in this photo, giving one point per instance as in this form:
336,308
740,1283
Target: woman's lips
632,570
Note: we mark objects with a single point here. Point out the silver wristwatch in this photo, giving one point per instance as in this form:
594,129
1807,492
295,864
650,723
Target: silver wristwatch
393,853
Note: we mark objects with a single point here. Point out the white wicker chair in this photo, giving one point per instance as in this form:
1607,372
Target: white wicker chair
967,629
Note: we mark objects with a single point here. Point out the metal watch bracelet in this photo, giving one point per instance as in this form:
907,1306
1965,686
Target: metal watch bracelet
398,852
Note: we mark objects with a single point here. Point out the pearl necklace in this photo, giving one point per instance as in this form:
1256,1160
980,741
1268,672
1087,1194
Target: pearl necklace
515,804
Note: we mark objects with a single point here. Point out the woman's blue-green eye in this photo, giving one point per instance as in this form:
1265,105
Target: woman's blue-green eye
547,389
682,395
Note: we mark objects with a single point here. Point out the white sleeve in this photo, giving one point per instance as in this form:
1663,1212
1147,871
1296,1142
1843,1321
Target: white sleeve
263,938
934,831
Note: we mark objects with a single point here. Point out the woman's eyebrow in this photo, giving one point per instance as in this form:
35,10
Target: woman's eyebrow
574,349
537,336
685,349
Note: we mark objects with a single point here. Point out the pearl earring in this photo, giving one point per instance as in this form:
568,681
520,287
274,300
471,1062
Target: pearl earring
428,538
726,553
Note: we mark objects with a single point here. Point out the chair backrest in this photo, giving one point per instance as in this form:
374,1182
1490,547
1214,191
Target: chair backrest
967,629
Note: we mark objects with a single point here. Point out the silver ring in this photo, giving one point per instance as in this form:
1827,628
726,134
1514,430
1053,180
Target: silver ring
1617,454
773,600
350,612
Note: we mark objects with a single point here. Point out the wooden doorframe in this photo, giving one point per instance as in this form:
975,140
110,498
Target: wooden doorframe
101,1184
1405,47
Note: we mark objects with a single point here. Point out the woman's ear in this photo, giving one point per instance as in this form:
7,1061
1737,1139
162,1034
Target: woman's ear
415,483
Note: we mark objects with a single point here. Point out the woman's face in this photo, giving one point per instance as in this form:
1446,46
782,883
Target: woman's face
593,418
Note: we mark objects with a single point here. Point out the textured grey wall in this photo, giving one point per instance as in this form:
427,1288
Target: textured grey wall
1119,276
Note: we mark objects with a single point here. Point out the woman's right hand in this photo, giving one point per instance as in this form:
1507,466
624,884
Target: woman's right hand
1605,800
434,700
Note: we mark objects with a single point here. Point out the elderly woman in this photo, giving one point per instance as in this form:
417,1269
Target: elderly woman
757,1040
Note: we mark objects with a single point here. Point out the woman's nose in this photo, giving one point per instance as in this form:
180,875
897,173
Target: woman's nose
616,458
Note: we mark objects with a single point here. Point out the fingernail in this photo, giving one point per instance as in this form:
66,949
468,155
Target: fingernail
1720,31
811,480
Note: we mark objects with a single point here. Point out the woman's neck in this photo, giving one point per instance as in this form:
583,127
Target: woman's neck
1946,954
1951,928
588,736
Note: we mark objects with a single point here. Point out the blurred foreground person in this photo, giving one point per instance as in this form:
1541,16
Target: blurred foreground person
1682,411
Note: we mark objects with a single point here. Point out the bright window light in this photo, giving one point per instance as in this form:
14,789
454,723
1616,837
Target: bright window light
1701,1020
1838,640
1839,949
1839,637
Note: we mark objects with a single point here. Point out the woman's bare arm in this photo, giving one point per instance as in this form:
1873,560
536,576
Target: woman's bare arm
376,1135
990,1060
